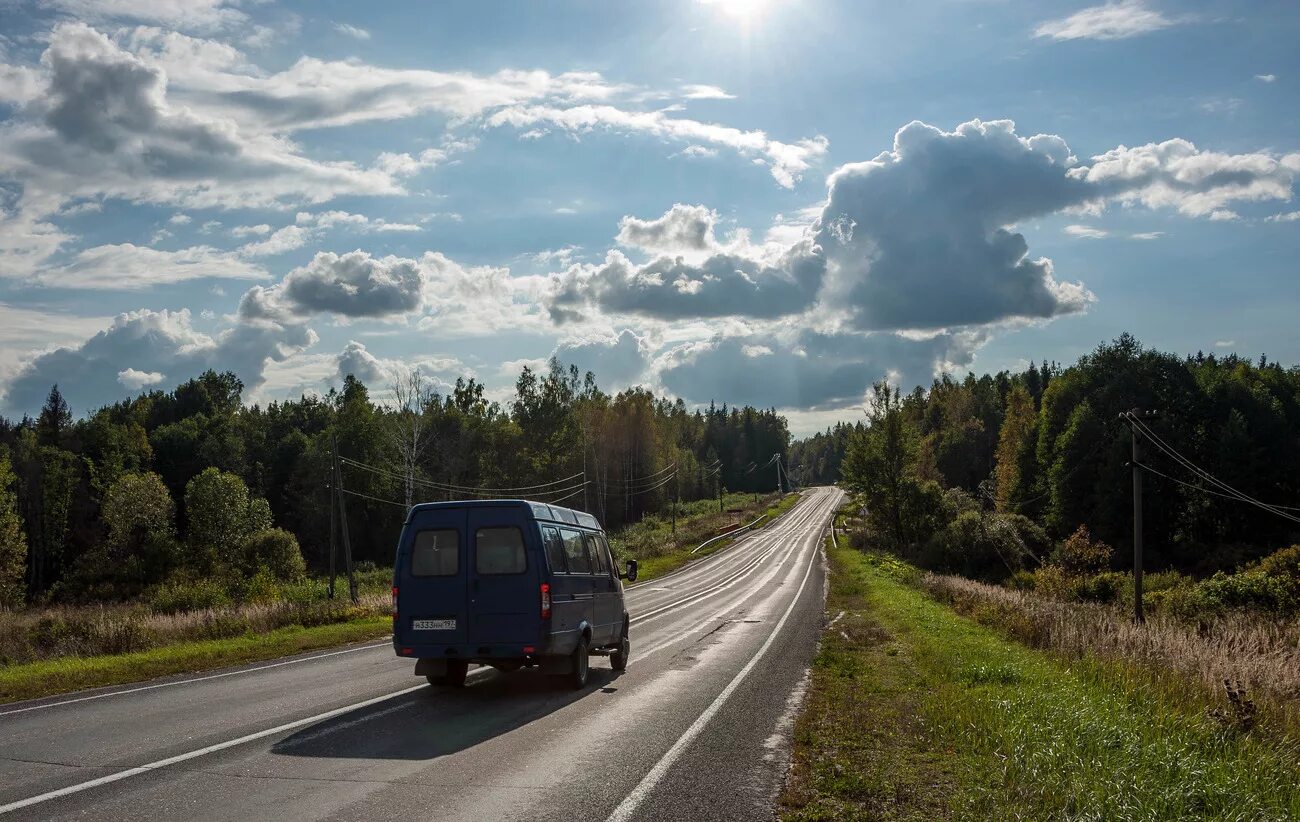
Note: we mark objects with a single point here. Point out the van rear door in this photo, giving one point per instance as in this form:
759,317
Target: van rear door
431,583
504,585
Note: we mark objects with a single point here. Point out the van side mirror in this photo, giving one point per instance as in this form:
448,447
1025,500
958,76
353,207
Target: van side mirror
630,574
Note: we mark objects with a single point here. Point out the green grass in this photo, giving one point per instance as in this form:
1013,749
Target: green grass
56,676
657,553
917,713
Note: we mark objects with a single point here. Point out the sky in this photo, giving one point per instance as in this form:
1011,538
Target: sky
772,202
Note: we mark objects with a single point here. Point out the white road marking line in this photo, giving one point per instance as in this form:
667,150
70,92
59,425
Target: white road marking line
260,667
220,746
194,679
627,807
638,795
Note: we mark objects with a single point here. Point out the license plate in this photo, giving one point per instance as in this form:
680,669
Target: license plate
433,624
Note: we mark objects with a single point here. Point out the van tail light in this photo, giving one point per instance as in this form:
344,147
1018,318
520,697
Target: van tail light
546,600
394,604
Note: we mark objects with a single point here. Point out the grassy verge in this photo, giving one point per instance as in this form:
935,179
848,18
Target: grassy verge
55,676
915,712
658,554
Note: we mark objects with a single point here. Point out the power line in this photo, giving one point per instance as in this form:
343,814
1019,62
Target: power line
541,488
627,484
1205,490
372,499
1232,493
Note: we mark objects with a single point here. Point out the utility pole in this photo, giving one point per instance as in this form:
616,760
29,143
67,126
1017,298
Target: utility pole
1131,418
333,526
677,498
778,472
343,522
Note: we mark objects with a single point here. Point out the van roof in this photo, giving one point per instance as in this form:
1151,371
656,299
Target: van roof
539,510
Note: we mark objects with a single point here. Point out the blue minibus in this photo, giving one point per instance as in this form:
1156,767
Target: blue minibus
507,583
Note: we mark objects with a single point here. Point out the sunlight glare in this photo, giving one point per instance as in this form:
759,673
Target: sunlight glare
745,10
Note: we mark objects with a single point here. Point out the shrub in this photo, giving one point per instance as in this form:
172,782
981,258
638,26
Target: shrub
276,550
179,595
1103,587
974,545
1080,554
1284,562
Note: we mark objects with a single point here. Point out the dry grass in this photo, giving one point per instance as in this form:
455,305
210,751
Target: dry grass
49,633
1261,653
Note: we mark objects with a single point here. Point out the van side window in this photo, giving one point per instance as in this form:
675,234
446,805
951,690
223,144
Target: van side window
436,553
601,562
576,552
554,549
500,551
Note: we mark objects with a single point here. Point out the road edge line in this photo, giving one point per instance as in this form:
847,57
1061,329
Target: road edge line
648,783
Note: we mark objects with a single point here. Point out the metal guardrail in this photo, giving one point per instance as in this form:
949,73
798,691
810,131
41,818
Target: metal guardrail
730,533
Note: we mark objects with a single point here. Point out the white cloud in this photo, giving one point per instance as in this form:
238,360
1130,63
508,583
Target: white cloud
134,380
352,31
259,230
1224,343
805,369
694,152
786,161
618,361
151,342
1148,235
282,240
25,332
350,285
919,238
106,126
1176,174
179,219
129,266
683,228
703,92
1111,21
1085,232
1287,217
184,15
1266,78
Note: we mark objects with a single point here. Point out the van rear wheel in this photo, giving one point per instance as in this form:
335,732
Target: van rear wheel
618,659
581,665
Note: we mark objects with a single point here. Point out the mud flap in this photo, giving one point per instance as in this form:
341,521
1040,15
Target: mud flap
431,667
556,665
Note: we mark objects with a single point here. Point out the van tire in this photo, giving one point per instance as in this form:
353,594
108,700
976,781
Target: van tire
457,669
618,659
581,665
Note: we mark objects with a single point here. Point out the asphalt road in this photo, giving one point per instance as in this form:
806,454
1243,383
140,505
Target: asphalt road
696,728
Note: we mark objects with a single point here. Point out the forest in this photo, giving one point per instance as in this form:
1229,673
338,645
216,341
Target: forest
988,476
997,476
174,488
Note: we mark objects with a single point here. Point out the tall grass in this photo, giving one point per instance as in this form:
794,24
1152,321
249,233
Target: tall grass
51,633
1262,653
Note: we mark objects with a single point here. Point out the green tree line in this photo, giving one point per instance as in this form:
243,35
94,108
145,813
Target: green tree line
191,483
986,474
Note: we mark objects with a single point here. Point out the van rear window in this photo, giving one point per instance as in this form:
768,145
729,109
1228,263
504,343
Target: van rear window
500,551
576,552
436,553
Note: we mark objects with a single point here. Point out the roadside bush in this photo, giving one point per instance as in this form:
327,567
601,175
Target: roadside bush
276,550
1103,587
1284,563
974,545
1022,581
1080,554
178,595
